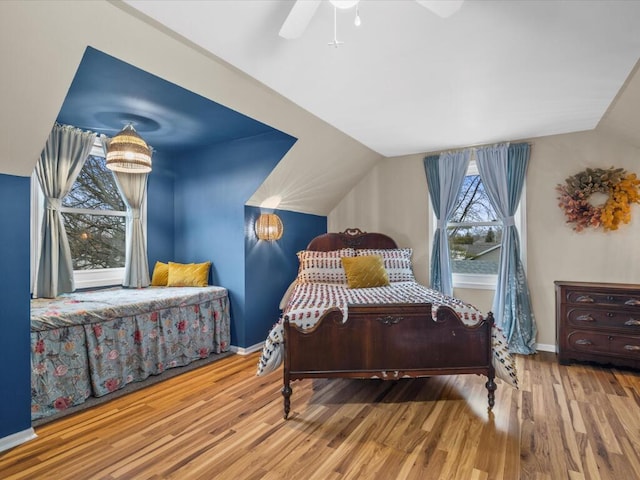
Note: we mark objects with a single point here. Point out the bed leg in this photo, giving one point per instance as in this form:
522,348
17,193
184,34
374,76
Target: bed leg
491,387
286,393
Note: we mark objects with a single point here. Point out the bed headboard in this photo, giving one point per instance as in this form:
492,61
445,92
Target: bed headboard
351,237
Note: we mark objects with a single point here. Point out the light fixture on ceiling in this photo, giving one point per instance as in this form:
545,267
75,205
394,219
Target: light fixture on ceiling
303,11
128,152
269,227
342,5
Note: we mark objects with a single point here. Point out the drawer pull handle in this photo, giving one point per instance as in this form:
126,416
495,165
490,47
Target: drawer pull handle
632,322
588,318
582,341
633,302
610,315
632,348
584,299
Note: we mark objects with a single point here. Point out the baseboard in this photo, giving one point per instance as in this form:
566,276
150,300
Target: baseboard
546,347
248,350
16,439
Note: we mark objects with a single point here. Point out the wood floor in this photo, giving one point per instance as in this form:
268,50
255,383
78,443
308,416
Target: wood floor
220,421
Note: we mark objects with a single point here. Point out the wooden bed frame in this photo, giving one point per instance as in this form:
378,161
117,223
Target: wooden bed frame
386,341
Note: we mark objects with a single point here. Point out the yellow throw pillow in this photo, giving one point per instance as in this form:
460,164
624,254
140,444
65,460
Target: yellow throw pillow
160,275
188,275
365,272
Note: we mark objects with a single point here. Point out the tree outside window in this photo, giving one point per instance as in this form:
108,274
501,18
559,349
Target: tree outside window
95,218
474,233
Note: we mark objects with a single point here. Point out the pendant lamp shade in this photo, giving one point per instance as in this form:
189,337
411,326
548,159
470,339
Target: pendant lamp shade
269,227
128,152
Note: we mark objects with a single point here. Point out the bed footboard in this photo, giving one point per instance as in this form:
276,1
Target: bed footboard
387,342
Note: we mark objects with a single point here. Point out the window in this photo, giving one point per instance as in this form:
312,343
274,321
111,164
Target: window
95,221
475,234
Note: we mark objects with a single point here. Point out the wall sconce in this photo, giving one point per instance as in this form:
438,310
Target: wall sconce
128,152
269,227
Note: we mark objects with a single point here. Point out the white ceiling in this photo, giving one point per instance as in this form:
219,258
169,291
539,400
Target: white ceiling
408,81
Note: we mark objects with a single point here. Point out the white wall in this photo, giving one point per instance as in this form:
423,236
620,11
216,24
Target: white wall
392,199
555,251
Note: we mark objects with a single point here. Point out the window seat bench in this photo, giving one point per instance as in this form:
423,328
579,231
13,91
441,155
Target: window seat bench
96,342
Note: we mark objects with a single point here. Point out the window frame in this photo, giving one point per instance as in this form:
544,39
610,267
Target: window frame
475,280
83,279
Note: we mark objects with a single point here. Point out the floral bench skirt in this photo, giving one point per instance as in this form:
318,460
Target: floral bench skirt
94,343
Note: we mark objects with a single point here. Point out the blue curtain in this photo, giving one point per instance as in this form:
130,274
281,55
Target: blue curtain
445,175
502,170
60,162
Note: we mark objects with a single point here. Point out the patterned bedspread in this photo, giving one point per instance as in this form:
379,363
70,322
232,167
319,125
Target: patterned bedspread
309,301
96,306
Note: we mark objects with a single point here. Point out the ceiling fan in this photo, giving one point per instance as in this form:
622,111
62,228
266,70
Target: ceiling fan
303,11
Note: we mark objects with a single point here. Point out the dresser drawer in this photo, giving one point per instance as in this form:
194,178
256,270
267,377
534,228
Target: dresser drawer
625,346
584,341
601,343
590,297
604,318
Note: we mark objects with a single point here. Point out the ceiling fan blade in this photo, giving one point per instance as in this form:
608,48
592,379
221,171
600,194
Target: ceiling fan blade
442,8
299,17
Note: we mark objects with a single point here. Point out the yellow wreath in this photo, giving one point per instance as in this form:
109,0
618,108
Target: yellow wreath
622,189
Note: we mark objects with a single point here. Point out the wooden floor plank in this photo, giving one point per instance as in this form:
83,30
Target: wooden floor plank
578,422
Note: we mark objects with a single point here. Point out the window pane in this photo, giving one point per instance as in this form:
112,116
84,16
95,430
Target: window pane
473,204
96,241
95,188
475,250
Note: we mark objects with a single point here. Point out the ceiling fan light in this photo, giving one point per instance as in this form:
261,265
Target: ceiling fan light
344,4
128,152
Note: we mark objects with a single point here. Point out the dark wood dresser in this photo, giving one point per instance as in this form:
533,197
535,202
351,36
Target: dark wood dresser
598,322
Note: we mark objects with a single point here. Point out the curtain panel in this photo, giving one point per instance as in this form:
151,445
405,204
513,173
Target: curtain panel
502,170
60,162
445,175
133,190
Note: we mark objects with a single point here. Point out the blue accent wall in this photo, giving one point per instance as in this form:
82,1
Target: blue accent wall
15,375
211,188
160,211
270,267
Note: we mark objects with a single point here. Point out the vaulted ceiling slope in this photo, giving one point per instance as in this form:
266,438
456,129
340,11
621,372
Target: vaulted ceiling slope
42,44
623,117
409,81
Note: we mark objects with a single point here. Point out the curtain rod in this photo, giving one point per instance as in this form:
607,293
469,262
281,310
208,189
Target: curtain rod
475,147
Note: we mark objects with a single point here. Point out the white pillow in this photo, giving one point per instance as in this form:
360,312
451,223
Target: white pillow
323,267
397,262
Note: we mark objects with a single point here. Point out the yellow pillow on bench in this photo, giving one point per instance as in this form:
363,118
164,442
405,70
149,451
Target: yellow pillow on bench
188,275
365,272
160,275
